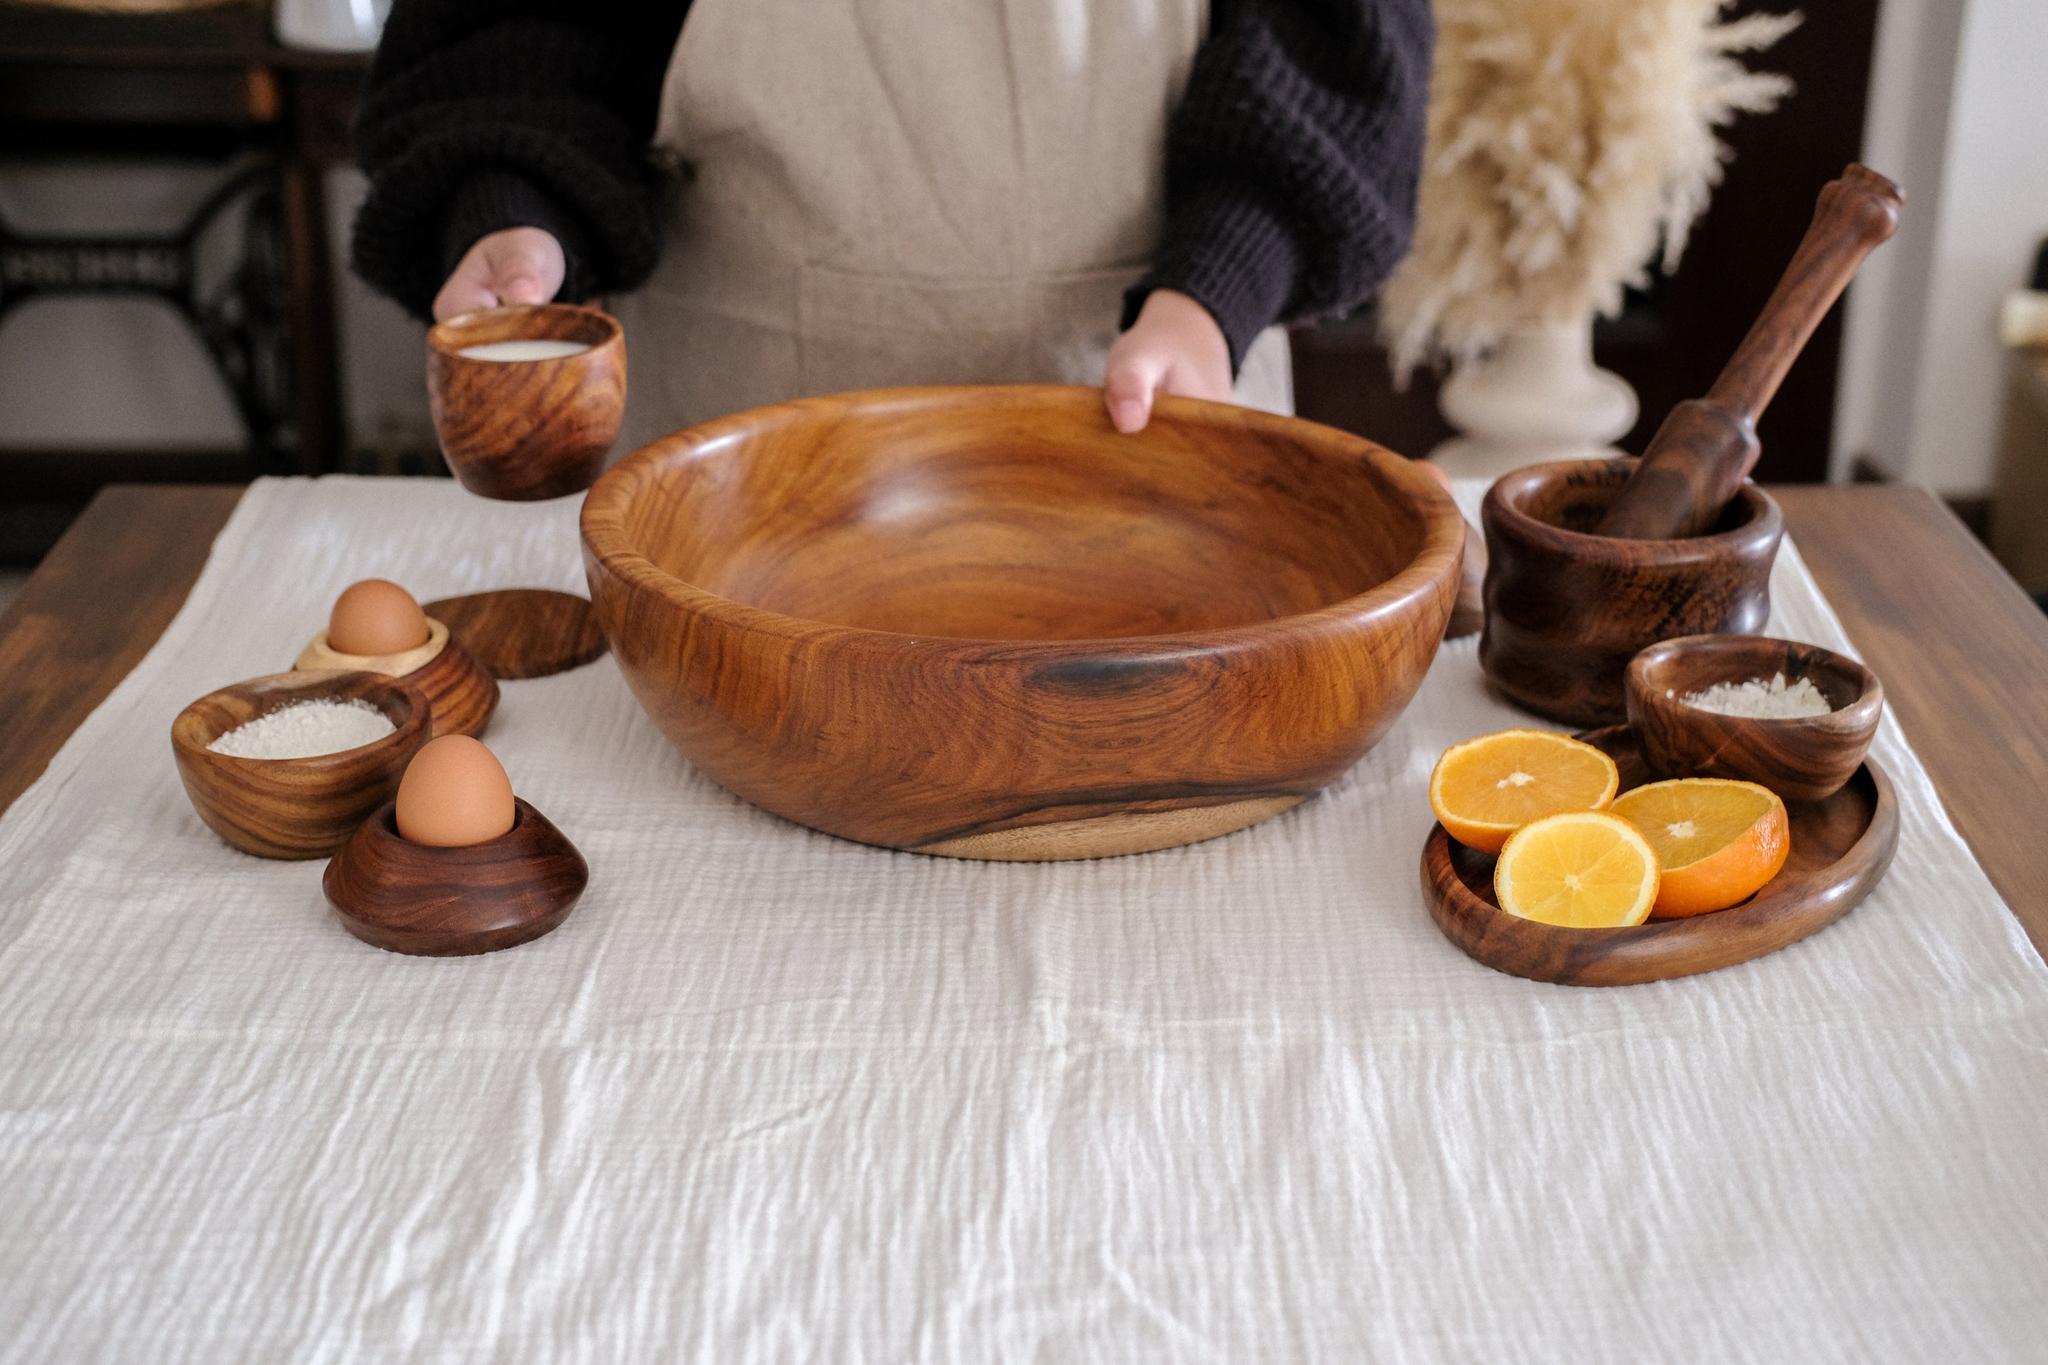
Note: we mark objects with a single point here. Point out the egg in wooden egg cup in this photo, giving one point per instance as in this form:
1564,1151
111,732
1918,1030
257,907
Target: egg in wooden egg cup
455,864
385,626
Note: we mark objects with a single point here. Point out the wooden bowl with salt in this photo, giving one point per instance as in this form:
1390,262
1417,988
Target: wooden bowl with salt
1800,757
304,807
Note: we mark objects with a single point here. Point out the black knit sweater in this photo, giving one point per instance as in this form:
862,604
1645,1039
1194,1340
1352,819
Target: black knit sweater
1290,162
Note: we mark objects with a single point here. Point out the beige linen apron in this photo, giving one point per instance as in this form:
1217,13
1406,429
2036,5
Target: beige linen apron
885,192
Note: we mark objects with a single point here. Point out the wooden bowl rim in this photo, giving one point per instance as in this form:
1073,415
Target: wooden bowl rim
1766,527
1434,567
1676,938
304,685
1851,723
443,337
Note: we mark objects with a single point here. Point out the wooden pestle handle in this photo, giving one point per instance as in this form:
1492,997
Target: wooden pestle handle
1706,447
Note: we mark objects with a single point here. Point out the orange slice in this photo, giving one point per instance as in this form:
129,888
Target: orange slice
1487,788
1719,841
1583,870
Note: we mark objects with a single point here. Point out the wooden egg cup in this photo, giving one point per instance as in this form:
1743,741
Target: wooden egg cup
295,807
1567,609
1841,848
452,902
1801,758
459,692
525,430
980,622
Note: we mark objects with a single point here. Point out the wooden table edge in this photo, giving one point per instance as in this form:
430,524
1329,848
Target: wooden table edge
95,605
1970,646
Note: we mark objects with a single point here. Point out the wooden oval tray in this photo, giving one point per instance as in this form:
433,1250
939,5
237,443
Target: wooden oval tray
1840,848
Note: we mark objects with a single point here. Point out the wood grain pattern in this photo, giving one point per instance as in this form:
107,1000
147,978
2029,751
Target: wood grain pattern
1566,609
919,616
92,609
454,902
1953,636
1706,447
294,807
1962,652
530,429
463,696
1802,758
1841,847
523,632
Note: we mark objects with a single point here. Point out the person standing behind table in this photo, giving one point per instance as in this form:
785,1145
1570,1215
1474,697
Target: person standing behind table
851,193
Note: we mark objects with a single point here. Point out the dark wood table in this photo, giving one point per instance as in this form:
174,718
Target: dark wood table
1962,651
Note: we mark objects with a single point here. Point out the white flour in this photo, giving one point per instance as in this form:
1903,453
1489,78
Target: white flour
305,728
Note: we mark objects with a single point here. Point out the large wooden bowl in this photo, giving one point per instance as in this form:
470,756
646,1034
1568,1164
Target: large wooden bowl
978,622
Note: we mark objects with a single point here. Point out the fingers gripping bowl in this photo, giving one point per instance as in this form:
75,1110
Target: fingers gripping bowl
979,622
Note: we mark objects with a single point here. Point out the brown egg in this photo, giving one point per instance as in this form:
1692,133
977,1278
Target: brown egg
454,793
376,617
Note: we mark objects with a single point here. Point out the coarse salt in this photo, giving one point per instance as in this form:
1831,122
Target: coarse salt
303,729
1775,699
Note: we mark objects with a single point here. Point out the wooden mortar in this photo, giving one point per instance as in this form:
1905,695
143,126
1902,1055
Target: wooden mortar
1566,609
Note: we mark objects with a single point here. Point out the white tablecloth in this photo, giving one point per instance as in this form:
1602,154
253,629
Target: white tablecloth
768,1096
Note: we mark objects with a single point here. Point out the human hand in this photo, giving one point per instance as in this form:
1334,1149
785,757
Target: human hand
1174,347
517,265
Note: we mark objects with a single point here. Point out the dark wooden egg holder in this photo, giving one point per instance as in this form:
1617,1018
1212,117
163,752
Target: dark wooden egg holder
295,807
1840,849
460,692
451,902
1566,608
1801,758
525,430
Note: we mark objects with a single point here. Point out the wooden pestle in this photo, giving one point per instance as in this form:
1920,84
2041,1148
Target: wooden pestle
1707,446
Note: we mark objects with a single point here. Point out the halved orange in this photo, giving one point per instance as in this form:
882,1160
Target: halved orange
1582,870
1487,788
1719,840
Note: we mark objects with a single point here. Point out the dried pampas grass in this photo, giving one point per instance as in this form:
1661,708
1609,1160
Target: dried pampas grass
1570,143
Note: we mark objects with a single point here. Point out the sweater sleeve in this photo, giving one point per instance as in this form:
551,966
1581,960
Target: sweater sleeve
1292,159
486,114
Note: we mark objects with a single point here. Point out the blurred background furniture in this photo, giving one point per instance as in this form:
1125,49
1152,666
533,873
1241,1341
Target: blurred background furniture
206,86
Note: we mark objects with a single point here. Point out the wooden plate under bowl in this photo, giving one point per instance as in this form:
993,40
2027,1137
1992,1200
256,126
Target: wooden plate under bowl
1840,848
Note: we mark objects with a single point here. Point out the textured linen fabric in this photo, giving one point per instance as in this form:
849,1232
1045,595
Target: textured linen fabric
769,1096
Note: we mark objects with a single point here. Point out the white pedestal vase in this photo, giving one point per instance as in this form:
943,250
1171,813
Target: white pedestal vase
1538,396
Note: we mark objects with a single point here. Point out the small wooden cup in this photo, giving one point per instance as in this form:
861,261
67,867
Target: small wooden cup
1567,609
525,430
1801,758
451,902
460,694
294,807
